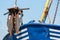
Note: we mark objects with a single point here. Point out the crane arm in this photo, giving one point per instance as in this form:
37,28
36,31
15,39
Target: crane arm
45,11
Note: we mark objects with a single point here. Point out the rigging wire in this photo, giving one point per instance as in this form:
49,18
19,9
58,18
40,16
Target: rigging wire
48,10
49,21
55,12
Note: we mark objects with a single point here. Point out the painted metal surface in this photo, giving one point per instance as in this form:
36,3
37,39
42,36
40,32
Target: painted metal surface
45,11
36,31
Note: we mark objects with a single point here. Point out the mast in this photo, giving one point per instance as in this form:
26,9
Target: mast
14,12
15,3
